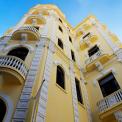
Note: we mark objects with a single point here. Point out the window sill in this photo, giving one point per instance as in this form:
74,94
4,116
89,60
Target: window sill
61,88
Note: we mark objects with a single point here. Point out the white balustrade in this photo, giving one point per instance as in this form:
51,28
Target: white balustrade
94,57
30,28
27,28
14,63
109,101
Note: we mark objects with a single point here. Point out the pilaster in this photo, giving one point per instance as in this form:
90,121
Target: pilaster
74,94
87,102
3,42
104,35
22,106
41,112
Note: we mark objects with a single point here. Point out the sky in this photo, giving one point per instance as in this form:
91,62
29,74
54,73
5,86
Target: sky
108,12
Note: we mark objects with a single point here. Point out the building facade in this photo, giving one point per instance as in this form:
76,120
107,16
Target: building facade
52,72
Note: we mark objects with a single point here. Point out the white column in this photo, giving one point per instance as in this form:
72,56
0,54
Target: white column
41,112
23,102
87,102
45,29
104,34
74,94
53,18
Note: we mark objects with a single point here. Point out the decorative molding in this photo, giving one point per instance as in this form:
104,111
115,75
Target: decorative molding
103,74
41,112
104,35
74,94
99,66
87,102
10,47
118,53
22,106
58,62
10,107
3,42
85,96
118,115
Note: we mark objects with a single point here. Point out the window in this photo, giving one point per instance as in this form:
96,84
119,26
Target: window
93,50
108,84
70,39
60,20
88,34
60,77
78,90
60,43
2,110
60,29
36,27
20,52
73,56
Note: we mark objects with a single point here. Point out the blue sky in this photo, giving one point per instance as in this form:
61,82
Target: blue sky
107,11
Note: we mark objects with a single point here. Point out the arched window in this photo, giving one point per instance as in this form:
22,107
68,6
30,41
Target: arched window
60,80
70,39
59,27
78,91
60,43
2,110
20,52
72,55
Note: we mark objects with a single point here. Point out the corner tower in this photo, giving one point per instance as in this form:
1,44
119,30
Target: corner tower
51,72
101,55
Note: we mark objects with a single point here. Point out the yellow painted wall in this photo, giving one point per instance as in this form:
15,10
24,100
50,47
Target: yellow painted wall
60,105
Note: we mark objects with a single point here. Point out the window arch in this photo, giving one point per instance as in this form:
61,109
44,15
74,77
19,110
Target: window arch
70,39
59,27
20,52
60,77
78,91
3,110
72,55
60,44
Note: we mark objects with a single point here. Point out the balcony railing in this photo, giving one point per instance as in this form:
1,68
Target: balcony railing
110,101
26,29
95,56
13,63
30,28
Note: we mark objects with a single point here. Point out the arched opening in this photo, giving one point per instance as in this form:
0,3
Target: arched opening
60,80
2,110
35,20
20,52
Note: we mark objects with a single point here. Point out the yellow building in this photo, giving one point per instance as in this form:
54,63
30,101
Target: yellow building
52,72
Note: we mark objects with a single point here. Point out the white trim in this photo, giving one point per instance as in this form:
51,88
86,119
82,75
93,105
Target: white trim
10,107
103,74
104,35
58,62
8,48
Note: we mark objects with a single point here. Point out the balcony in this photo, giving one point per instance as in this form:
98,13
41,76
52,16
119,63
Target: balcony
35,20
31,33
88,40
110,104
98,56
14,66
